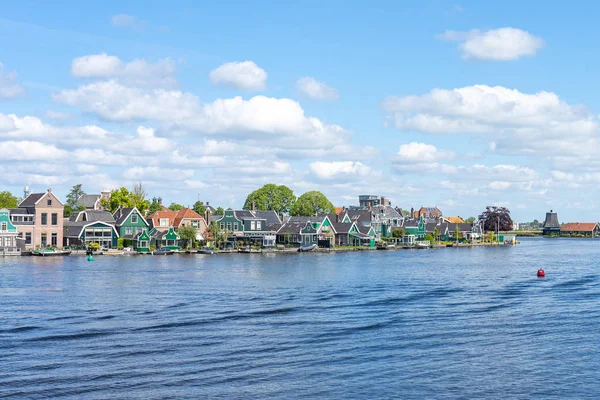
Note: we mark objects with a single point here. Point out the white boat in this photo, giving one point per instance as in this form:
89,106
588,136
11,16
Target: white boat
309,247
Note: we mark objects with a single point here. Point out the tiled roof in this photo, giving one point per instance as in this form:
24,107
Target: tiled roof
244,214
291,227
99,215
31,200
455,220
358,215
88,200
21,211
342,227
158,215
578,227
185,213
73,229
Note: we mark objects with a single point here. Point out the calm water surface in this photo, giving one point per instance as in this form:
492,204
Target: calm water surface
449,323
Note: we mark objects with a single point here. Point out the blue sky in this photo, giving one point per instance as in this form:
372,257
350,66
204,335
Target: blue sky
454,104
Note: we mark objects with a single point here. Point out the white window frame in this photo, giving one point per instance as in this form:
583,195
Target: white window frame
4,226
134,219
235,226
163,222
252,225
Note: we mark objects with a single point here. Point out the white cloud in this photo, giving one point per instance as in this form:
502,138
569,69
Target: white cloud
6,123
57,115
499,185
341,170
157,174
281,120
421,152
87,168
27,150
144,143
245,75
127,21
504,44
136,72
316,90
9,87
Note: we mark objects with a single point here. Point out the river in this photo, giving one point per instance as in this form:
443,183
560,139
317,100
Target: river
443,323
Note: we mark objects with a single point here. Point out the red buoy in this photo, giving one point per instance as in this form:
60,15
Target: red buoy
541,273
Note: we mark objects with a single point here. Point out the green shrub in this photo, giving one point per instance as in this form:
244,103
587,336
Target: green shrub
120,243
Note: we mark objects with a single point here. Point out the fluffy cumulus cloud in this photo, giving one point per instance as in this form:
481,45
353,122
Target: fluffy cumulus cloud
28,150
9,87
259,117
136,72
341,170
316,90
245,75
504,44
421,158
157,173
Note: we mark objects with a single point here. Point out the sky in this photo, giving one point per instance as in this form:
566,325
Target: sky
458,105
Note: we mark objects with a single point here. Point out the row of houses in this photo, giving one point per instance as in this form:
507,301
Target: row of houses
38,222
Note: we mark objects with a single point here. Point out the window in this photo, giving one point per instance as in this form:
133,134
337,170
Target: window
252,225
164,222
195,224
128,230
44,241
49,203
44,219
54,219
229,226
55,239
4,226
134,219
221,226
235,226
28,238
258,225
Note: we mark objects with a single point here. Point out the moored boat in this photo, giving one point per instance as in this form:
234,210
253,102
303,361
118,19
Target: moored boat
50,253
206,250
310,247
163,251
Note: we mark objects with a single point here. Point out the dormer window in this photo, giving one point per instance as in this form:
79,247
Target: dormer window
49,202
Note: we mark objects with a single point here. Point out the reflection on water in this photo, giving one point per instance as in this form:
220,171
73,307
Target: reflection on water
453,323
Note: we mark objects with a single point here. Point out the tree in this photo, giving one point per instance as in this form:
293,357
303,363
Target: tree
456,232
436,234
429,239
7,200
312,203
125,198
74,195
470,220
175,207
398,233
492,215
199,208
188,233
154,206
271,197
219,211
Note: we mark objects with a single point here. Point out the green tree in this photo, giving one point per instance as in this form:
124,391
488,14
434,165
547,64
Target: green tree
398,233
312,203
175,207
125,198
199,208
470,220
7,200
429,239
436,234
214,231
74,195
219,211
492,237
456,232
271,197
154,206
188,233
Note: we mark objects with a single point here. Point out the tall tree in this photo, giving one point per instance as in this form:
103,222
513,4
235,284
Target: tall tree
496,218
271,197
139,197
312,203
199,207
7,200
74,195
219,211
154,206
175,207
470,220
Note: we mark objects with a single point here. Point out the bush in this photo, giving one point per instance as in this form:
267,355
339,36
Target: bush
152,247
430,239
120,243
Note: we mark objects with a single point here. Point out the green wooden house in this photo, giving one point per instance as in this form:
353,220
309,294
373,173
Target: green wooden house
418,230
8,234
83,233
130,222
143,242
230,222
169,239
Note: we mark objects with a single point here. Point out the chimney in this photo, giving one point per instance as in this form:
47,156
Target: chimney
160,201
253,206
207,204
49,190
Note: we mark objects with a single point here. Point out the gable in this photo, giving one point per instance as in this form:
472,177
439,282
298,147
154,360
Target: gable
5,219
171,235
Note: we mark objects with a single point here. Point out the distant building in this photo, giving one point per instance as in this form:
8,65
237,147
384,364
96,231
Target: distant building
551,225
580,228
429,213
368,201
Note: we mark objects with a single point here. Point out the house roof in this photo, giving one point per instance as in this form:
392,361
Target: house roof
30,200
454,220
270,216
387,211
88,200
99,215
357,215
291,227
122,213
339,209
215,217
342,227
73,229
244,214
185,213
578,227
21,211
158,215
